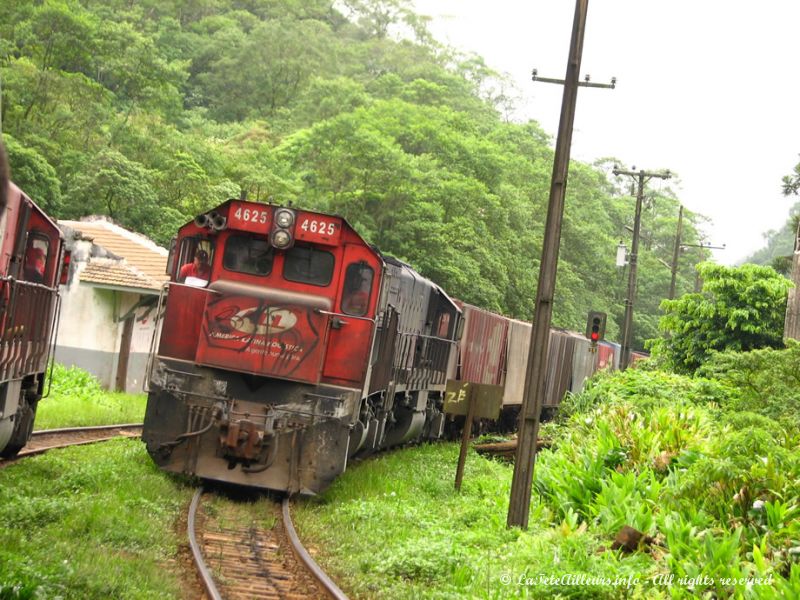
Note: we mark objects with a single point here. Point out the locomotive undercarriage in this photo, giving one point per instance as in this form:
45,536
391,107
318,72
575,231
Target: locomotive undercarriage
18,401
248,430
411,416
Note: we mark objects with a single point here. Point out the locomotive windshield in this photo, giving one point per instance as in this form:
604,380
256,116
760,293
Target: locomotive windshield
308,265
248,254
357,288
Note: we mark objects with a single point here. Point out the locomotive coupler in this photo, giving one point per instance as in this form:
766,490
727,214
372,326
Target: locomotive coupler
246,440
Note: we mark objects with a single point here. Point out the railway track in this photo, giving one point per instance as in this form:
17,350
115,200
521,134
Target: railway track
250,550
50,439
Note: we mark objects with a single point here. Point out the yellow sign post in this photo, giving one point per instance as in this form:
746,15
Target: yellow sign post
474,400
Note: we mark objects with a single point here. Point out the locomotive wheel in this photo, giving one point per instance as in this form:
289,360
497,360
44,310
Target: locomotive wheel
23,427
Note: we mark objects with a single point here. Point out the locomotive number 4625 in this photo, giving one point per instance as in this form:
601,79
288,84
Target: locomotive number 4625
321,227
251,215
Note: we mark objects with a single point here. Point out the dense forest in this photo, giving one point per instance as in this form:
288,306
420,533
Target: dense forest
151,111
779,244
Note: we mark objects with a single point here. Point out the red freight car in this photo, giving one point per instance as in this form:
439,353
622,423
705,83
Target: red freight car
482,348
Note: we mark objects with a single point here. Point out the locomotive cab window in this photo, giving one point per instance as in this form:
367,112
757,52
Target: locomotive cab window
35,260
357,289
443,326
304,264
195,260
248,254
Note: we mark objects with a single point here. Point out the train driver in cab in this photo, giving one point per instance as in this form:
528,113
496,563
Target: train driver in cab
198,272
33,267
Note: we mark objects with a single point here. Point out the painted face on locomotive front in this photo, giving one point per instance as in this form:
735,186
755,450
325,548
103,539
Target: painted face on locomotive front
273,292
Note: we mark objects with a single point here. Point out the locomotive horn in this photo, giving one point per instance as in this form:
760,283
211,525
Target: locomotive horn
217,221
202,220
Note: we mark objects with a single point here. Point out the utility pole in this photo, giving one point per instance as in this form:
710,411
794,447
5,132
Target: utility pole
792,324
627,324
676,253
520,499
698,284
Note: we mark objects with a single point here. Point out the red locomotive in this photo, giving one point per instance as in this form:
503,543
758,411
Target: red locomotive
32,260
288,344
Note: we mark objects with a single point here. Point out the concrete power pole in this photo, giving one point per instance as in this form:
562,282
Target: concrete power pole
792,324
676,254
520,498
627,324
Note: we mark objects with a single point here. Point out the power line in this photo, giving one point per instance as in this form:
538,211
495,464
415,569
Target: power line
627,323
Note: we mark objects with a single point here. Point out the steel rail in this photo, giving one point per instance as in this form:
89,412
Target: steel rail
199,561
43,433
304,556
40,432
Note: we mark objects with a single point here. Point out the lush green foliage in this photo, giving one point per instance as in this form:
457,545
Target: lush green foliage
695,463
740,308
394,527
77,400
151,112
765,381
93,522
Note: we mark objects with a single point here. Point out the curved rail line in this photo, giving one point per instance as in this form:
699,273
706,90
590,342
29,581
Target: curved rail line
270,581
305,557
43,440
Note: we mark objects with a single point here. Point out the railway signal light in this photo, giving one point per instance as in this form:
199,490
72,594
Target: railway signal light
596,326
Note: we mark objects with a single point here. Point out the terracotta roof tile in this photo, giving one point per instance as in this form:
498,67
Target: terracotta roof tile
144,262
108,271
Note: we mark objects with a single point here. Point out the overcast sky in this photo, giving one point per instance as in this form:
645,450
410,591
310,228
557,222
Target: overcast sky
705,88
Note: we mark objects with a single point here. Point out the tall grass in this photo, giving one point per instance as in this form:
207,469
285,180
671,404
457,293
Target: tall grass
76,399
699,466
94,522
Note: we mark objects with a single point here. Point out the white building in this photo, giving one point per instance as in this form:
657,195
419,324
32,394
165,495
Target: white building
108,305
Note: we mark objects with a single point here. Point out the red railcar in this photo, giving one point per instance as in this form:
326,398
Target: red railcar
483,345
287,344
31,262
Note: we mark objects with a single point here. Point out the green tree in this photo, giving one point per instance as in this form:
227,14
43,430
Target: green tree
113,185
740,308
34,175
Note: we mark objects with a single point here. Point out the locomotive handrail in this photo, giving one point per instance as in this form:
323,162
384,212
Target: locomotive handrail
51,358
405,370
26,336
319,311
31,284
151,355
206,288
270,294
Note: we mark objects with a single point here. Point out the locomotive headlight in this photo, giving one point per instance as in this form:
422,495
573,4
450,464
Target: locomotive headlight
281,238
284,218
